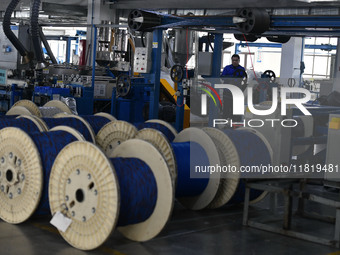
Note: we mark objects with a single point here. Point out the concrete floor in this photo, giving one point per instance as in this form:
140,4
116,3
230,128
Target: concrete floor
204,232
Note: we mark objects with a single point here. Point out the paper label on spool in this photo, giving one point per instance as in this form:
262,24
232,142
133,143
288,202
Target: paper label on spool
60,221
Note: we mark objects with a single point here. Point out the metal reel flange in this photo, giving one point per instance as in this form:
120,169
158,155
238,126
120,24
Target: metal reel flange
84,187
21,175
60,105
228,156
162,144
113,134
19,110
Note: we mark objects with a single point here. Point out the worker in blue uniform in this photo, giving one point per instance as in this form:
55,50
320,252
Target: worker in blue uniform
232,74
234,70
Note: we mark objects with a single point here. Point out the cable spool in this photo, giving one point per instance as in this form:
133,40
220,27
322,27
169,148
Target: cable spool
137,177
74,121
182,154
83,168
113,134
196,186
162,126
98,121
26,123
25,164
147,153
30,106
54,107
161,143
252,150
227,153
27,107
186,144
18,110
59,105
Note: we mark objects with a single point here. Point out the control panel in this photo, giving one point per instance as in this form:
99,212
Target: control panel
142,60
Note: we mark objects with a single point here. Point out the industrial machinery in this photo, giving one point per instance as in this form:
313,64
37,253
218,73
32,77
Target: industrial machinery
142,72
27,69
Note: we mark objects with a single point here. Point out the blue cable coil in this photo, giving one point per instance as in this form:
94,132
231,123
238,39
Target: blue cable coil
188,156
24,124
163,129
49,145
138,190
252,151
70,122
8,116
96,122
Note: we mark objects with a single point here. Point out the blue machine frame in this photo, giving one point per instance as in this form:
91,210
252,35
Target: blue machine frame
289,25
326,47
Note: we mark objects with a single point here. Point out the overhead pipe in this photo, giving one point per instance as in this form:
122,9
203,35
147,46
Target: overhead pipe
34,30
10,35
47,47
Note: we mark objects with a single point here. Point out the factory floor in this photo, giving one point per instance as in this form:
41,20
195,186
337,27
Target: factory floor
201,232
